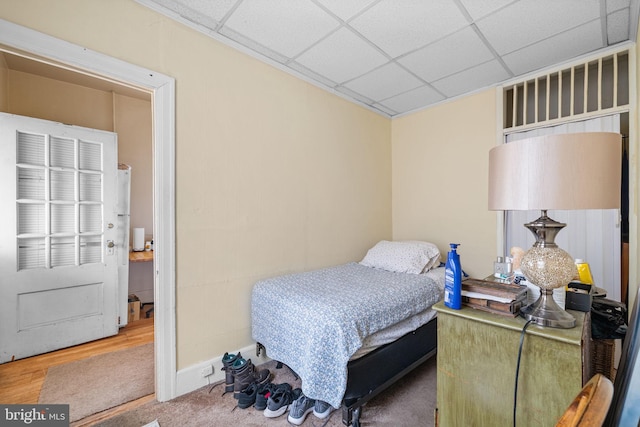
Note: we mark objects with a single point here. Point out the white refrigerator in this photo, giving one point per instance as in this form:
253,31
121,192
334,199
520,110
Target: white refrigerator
122,240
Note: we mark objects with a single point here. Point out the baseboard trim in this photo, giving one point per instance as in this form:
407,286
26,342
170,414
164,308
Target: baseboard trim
191,378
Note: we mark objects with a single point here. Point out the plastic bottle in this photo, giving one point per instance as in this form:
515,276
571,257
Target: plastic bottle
453,279
584,272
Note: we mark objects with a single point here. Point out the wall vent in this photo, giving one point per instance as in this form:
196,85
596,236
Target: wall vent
594,87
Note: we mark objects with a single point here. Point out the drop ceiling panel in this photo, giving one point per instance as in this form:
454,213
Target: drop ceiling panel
452,54
393,56
569,44
613,5
342,56
346,10
479,9
526,22
214,9
413,100
477,77
384,82
414,24
618,25
287,29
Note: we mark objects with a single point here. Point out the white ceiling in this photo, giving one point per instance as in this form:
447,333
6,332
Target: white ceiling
398,56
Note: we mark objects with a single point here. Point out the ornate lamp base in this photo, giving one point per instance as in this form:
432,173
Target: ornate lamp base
546,312
548,267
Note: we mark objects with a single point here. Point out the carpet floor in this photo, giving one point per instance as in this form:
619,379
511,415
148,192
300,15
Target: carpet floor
114,378
409,402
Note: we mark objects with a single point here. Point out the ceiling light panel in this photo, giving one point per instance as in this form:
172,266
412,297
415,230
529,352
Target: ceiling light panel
288,29
540,23
447,56
342,56
398,27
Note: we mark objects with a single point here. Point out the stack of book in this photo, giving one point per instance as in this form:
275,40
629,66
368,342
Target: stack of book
495,297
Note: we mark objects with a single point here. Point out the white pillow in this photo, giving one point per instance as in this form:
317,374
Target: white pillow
403,257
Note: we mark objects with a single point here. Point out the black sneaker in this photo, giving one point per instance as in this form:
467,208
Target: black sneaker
264,391
247,396
299,409
279,401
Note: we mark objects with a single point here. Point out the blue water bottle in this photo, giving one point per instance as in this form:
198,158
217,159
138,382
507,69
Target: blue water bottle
453,279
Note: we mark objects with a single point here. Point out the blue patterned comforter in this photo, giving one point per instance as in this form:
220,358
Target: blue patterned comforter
314,321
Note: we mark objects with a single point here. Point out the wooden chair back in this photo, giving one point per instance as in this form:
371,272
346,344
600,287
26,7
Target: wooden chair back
589,408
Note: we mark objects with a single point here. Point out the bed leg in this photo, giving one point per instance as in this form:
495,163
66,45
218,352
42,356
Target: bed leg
351,416
356,417
346,415
259,349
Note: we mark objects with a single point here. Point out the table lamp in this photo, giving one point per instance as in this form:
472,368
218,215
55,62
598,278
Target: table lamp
560,172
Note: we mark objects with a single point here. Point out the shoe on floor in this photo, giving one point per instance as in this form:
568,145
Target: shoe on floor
280,399
300,408
247,396
244,373
322,409
264,391
227,361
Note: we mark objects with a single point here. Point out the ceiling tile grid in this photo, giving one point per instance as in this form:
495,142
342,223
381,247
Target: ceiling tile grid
396,57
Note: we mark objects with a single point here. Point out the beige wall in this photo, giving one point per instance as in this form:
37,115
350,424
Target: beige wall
4,72
440,160
65,102
132,122
272,173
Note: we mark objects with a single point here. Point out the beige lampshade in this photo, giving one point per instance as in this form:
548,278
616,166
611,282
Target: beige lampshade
566,172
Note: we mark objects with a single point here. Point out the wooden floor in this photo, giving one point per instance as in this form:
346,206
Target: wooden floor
21,380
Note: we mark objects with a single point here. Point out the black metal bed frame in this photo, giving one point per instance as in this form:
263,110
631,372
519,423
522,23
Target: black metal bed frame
373,373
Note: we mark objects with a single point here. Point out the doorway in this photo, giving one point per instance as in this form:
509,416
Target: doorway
86,63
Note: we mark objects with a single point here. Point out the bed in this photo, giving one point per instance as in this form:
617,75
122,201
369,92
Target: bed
350,331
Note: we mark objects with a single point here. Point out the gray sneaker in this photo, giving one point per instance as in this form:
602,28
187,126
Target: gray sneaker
299,409
279,401
322,409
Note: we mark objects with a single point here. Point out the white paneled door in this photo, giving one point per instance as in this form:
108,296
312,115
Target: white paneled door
58,266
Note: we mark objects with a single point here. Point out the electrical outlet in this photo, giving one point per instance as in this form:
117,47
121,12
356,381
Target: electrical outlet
206,371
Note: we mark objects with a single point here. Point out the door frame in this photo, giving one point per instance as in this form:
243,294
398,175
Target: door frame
162,88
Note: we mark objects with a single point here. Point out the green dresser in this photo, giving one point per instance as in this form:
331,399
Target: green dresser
477,358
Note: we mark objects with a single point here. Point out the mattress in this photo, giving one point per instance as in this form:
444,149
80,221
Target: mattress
396,331
314,322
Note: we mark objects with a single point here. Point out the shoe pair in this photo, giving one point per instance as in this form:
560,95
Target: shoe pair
240,373
256,395
302,406
280,399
